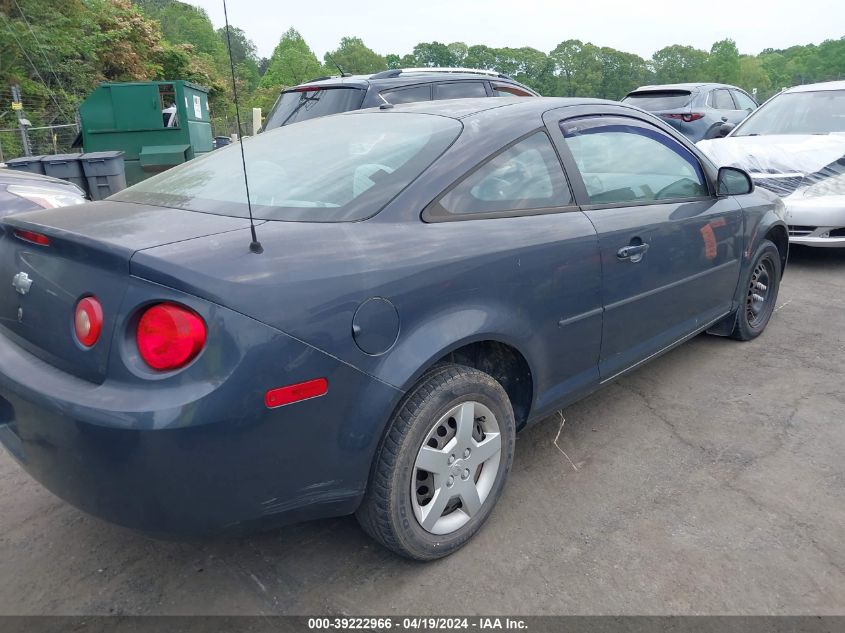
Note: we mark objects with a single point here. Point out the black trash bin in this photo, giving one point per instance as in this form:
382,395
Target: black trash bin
67,167
31,164
105,172
221,141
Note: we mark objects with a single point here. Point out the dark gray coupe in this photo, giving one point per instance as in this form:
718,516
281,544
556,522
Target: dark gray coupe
434,277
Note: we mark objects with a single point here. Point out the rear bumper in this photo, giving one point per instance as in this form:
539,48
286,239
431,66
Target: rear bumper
197,459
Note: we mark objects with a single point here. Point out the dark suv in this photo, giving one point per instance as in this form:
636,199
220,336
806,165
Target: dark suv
332,95
696,110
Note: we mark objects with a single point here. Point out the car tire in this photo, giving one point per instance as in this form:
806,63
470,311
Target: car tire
760,287
439,447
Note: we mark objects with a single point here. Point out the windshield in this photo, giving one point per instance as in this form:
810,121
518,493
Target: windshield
301,105
331,169
821,112
654,100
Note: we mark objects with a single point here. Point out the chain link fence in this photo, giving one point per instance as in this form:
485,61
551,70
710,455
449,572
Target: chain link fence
53,139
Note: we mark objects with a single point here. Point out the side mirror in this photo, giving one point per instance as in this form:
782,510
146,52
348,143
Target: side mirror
726,129
734,182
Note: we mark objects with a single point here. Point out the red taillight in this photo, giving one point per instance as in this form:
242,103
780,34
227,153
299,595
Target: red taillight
88,321
686,117
170,336
32,237
306,89
294,393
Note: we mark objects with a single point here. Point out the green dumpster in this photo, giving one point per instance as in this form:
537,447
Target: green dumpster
156,124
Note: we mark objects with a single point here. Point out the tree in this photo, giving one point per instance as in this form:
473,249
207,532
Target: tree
433,54
480,56
723,64
578,67
458,50
753,76
678,64
621,73
354,57
292,62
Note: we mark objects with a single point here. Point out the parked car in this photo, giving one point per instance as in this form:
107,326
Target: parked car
331,95
794,145
428,286
696,110
24,191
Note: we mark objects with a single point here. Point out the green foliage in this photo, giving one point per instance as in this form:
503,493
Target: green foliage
723,64
678,64
292,62
354,57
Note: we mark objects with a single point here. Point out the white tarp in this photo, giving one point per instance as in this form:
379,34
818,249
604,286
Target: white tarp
781,163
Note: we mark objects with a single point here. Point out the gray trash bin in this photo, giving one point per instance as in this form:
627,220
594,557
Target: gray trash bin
105,172
26,163
67,167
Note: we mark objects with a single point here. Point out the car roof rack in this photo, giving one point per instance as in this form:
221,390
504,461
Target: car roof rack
395,72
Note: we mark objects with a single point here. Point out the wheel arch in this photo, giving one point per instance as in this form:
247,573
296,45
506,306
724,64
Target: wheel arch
779,235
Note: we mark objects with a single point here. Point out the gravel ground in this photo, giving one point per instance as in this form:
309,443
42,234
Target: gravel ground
709,481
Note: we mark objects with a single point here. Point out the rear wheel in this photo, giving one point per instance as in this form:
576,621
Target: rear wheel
761,286
442,464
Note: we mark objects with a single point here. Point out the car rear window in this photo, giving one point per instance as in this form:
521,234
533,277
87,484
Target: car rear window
653,100
303,104
331,169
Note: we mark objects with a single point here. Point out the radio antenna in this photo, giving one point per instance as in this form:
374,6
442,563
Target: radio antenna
255,245
342,74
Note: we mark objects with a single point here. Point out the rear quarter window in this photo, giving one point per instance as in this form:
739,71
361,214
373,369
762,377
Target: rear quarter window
524,177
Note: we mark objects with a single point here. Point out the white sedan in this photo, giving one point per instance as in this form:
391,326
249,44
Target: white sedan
794,145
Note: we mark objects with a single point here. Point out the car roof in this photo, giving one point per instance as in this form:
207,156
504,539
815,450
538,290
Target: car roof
681,86
17,177
463,108
415,76
826,85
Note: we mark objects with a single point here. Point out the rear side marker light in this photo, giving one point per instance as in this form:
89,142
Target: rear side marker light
170,336
88,321
32,237
281,396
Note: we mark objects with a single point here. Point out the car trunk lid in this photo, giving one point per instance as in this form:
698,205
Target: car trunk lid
88,252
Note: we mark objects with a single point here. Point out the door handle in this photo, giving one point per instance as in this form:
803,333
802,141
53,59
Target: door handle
633,253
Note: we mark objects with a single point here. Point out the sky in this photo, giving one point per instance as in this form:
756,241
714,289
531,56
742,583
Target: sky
634,26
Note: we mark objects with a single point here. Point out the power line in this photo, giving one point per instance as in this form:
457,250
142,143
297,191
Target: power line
31,63
40,47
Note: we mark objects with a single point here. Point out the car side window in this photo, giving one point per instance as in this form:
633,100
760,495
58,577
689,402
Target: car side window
526,176
743,101
410,94
625,162
460,90
721,100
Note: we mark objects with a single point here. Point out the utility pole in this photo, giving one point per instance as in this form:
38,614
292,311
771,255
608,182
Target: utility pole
23,123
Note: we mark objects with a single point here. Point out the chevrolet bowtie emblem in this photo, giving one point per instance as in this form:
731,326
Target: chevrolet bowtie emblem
22,283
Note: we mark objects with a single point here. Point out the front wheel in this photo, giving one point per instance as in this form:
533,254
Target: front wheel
760,286
442,465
